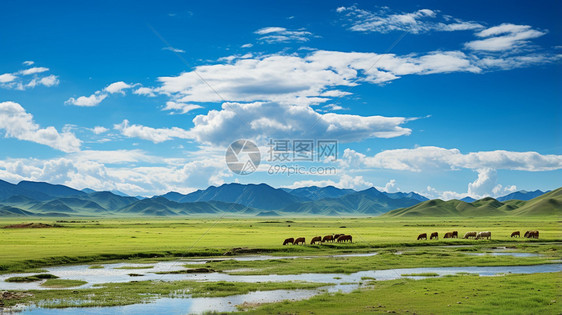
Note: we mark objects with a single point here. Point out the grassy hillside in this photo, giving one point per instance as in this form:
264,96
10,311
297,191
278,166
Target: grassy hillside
547,204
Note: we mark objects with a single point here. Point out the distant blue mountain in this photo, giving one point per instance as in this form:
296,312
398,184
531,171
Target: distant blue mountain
261,196
522,195
410,195
316,193
468,199
50,189
43,199
367,202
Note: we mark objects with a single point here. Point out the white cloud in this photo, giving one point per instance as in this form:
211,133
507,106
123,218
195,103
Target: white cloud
276,34
424,158
249,45
145,91
504,37
7,77
513,62
98,96
420,21
181,108
389,187
176,50
28,63
47,81
117,87
34,70
87,101
99,129
155,135
17,123
113,156
19,80
261,121
345,182
484,184
434,158
311,79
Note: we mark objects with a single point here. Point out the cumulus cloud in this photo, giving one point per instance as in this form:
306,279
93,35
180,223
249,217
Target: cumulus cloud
19,124
34,70
87,101
108,170
261,121
504,37
485,163
145,91
181,108
98,96
99,129
276,34
28,78
7,77
47,81
345,182
390,187
155,135
305,80
386,20
424,158
117,87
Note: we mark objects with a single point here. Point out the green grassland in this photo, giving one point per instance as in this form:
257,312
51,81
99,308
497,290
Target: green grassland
148,240
110,239
460,294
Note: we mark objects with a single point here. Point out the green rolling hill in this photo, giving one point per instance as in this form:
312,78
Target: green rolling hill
547,204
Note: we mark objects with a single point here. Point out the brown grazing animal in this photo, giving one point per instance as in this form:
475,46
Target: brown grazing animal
422,236
337,235
455,234
434,235
487,235
316,239
345,238
448,235
289,241
532,234
300,240
470,234
327,238
516,234
526,234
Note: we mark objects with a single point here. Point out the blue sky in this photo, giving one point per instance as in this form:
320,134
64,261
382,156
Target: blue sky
443,98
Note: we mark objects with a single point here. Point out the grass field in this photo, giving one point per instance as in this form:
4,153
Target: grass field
89,240
100,240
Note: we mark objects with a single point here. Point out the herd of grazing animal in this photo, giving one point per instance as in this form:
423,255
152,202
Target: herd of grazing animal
340,238
477,235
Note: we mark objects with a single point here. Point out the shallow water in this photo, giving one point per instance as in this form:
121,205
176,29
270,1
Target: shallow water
340,283
110,274
196,305
228,304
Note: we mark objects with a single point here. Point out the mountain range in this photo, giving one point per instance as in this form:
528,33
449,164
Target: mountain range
43,199
546,204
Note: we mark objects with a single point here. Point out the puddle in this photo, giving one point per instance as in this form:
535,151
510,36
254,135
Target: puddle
344,283
197,305
110,274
